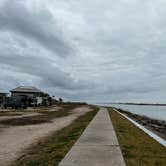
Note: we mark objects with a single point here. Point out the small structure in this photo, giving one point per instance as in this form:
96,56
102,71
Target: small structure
3,97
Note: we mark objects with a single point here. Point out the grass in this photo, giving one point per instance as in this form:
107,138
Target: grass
53,149
137,147
45,117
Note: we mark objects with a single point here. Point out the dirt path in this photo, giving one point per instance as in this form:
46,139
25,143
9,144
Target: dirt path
14,140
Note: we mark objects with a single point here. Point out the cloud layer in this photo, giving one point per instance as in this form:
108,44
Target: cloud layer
92,51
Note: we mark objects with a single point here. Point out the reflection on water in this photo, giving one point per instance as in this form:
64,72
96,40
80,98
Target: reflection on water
155,112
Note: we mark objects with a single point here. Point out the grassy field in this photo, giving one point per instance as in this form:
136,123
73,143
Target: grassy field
44,117
137,147
52,150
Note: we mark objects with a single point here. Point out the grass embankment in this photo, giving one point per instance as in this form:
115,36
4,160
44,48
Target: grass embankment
53,149
44,117
137,147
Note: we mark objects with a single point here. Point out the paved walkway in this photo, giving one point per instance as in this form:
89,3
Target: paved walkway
98,145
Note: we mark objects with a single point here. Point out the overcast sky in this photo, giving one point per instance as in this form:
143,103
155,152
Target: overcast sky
97,50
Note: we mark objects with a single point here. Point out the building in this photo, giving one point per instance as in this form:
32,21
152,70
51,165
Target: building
3,94
3,97
29,91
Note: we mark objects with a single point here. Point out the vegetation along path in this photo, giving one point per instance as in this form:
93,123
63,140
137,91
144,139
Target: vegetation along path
138,148
98,145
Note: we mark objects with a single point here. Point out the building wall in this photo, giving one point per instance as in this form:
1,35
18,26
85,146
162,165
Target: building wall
39,100
23,93
2,99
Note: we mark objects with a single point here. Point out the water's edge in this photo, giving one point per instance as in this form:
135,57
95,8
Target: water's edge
150,133
156,126
154,112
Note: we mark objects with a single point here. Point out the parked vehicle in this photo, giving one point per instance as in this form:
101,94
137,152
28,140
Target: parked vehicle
32,102
16,102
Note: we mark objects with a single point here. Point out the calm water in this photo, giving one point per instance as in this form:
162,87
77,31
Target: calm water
155,112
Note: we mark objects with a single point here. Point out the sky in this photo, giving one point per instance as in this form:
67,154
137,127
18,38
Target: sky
94,51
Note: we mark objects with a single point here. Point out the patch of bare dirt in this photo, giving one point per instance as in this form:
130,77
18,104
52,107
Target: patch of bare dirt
15,139
18,115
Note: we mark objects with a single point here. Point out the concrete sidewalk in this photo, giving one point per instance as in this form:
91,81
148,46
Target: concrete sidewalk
97,146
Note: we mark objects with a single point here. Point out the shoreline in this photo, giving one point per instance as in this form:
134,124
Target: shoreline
138,145
154,125
140,104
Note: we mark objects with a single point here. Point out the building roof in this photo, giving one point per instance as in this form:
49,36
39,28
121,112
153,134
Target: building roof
3,94
29,89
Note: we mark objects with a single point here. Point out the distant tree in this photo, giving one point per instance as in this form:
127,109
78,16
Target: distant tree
49,100
60,100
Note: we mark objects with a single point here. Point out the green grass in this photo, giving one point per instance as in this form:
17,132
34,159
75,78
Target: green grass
137,147
51,151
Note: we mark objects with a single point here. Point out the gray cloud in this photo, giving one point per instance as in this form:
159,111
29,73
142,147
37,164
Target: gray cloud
43,68
118,47
38,25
